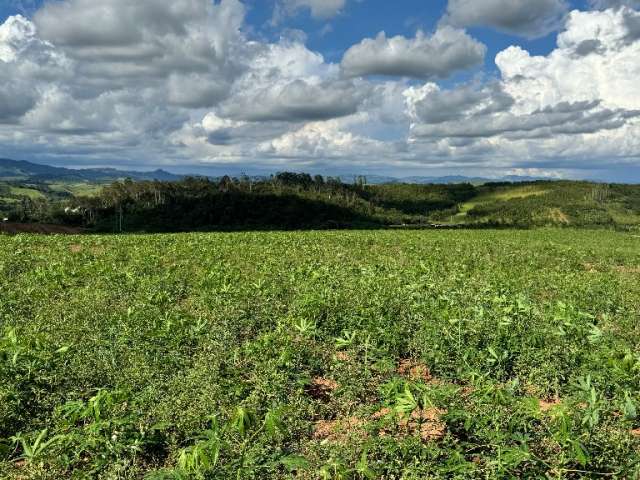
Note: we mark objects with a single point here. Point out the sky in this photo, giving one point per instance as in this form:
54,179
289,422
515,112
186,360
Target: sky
545,88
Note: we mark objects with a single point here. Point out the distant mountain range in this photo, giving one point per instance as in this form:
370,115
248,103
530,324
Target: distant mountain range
23,171
450,179
12,170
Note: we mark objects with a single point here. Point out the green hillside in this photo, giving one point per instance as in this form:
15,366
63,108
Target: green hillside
292,200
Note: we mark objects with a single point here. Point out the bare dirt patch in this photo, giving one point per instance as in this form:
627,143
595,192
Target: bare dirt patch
321,388
590,267
382,413
425,423
414,370
38,228
340,430
559,216
549,404
627,269
635,432
343,357
75,248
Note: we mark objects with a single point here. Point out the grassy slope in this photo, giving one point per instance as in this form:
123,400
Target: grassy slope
26,192
558,203
504,194
124,347
77,189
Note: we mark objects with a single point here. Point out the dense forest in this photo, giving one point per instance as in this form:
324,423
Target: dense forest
300,201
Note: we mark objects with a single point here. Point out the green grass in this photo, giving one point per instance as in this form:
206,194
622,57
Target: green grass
77,189
502,194
378,354
26,192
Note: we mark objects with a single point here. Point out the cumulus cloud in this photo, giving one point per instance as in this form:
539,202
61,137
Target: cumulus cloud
320,9
188,81
610,75
438,56
296,101
118,39
485,117
604,4
322,140
130,73
289,83
579,105
431,105
527,18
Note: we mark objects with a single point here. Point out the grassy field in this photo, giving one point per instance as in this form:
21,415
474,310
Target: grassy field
77,189
330,355
26,192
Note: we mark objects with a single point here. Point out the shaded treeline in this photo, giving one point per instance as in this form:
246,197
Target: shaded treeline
300,201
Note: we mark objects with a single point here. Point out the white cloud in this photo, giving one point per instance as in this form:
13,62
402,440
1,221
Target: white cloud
527,18
576,106
609,75
186,82
438,56
323,140
321,9
604,4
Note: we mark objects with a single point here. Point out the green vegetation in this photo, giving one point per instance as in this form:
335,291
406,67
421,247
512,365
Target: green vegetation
299,201
26,192
329,355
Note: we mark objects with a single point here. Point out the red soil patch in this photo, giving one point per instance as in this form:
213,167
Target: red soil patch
343,357
38,228
425,423
547,405
384,412
415,371
321,388
339,431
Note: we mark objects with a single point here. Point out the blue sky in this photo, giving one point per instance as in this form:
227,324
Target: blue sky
482,87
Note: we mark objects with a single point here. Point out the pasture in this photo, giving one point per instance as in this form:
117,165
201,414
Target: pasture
330,355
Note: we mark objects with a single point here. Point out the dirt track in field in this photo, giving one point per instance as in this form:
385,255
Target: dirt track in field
39,228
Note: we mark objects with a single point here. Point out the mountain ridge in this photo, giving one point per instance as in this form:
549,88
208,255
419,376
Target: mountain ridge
22,170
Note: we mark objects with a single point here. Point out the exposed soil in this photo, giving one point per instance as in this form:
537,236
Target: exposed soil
39,228
339,431
321,388
559,216
547,405
415,371
626,269
343,357
425,423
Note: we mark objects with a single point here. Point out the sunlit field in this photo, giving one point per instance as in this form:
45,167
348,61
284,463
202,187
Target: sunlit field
330,355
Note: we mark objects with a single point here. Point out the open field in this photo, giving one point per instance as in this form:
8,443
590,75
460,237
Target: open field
26,192
376,354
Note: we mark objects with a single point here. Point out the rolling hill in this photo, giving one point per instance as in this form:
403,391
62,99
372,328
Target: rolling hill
13,170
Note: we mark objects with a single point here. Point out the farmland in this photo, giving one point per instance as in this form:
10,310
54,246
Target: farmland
352,354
